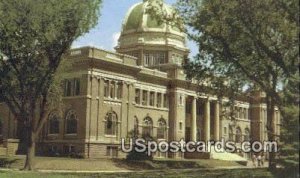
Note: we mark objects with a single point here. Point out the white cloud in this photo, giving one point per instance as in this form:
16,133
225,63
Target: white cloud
115,38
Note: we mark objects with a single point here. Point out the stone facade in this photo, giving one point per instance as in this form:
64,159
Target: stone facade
139,89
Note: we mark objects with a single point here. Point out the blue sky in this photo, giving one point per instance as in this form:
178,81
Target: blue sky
106,33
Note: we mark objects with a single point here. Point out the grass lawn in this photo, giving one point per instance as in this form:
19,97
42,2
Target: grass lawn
156,168
51,163
236,173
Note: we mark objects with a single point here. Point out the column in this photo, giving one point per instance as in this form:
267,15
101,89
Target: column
116,89
217,121
148,98
155,99
207,120
109,88
141,97
194,120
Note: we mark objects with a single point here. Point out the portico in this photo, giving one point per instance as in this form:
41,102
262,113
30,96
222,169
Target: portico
204,117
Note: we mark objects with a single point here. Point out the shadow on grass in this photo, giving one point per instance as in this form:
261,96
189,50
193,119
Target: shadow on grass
156,164
6,162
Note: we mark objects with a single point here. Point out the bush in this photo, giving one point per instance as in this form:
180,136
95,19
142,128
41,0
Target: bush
137,156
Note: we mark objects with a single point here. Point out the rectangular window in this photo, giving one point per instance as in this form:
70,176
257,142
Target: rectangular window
151,60
246,113
146,59
145,98
162,58
137,96
152,98
158,102
67,88
180,125
166,101
106,84
188,108
119,90
76,87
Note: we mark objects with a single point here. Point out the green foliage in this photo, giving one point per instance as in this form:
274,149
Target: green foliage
249,43
161,13
34,35
245,41
289,153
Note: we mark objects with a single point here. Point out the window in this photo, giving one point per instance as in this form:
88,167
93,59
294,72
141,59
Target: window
180,100
71,122
158,101
225,130
145,96
162,128
119,90
136,127
230,133
147,127
166,101
161,58
53,123
111,123
247,135
72,87
188,109
238,136
67,88
106,88
152,98
180,125
76,87
154,58
146,59
137,96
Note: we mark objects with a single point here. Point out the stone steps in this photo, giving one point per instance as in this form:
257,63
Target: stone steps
226,156
3,150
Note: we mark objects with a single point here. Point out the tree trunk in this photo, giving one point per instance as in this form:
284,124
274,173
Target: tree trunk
271,130
30,153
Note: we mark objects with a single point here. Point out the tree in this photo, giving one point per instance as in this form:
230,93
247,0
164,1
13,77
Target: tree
247,42
34,35
289,154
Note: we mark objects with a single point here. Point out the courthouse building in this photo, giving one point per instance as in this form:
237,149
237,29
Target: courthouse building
139,89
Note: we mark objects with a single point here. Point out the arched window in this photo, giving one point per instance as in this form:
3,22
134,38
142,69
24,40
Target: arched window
161,129
230,133
71,122
147,127
53,123
111,123
238,136
247,135
136,126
